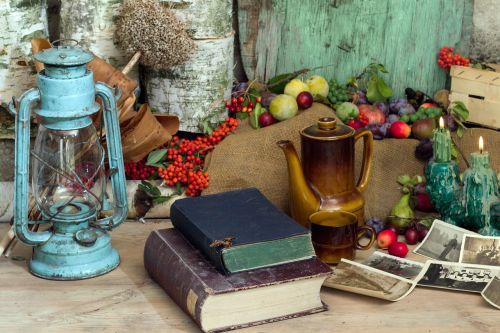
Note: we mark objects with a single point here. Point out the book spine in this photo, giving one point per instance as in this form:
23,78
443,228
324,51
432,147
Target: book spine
197,238
174,275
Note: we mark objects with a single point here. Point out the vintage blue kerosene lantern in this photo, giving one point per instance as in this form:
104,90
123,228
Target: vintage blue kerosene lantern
68,169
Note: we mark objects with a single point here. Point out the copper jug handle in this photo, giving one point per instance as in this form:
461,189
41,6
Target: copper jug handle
367,157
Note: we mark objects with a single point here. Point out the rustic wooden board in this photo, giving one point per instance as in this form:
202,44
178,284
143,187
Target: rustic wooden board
127,300
278,36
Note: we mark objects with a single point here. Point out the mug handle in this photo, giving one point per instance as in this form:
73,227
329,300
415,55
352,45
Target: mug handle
361,232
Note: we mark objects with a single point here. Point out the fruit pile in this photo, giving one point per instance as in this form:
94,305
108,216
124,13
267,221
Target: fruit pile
402,220
283,99
446,58
181,163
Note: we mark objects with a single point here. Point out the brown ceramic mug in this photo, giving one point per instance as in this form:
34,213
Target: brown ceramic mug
336,235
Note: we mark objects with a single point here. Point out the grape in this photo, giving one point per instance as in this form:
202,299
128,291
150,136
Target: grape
239,89
376,223
396,104
338,93
384,107
406,110
392,118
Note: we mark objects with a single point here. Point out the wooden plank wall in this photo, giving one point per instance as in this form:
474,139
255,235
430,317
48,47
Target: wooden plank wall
278,36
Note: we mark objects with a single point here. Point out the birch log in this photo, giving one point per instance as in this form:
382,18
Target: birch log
20,21
204,18
156,212
91,23
196,89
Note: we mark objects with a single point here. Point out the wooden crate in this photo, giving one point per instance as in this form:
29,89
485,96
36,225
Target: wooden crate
480,92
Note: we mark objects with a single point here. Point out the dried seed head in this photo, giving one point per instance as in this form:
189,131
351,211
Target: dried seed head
155,31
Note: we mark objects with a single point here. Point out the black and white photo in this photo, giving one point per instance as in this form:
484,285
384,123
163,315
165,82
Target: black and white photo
492,292
480,250
443,242
457,276
365,280
407,269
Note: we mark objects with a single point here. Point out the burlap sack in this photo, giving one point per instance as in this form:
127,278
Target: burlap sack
251,158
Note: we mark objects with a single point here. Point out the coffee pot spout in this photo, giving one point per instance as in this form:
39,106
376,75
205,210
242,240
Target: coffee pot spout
303,201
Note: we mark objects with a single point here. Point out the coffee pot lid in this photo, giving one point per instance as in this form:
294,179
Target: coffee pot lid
327,128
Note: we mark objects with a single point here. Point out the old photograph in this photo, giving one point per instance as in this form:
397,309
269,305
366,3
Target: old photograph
480,250
407,269
360,279
443,242
456,276
492,292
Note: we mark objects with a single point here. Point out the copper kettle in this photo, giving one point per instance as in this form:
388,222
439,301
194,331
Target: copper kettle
325,179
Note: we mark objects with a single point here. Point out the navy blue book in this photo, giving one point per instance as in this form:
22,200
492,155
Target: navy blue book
241,230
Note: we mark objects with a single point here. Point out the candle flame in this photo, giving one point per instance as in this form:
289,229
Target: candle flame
441,122
481,144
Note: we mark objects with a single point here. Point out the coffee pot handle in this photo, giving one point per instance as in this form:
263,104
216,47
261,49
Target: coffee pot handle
367,157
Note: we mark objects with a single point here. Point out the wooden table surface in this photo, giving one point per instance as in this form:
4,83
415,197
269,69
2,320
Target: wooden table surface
127,300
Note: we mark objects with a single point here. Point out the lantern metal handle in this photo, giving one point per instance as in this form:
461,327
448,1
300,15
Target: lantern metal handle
115,158
21,162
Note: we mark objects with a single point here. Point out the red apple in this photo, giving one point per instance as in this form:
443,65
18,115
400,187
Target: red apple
374,115
428,105
411,236
400,130
305,100
355,124
385,238
266,119
398,249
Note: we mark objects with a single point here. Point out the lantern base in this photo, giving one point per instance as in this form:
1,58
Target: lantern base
63,258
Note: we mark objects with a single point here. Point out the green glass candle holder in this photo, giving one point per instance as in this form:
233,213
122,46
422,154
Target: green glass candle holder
444,188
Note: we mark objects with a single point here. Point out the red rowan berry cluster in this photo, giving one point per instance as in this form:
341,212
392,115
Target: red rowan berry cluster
138,170
185,159
446,58
241,104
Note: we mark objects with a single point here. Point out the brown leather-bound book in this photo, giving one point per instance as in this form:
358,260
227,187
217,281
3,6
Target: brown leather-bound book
219,302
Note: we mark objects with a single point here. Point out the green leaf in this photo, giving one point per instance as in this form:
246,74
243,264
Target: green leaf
255,114
372,93
149,189
277,84
459,110
383,88
460,133
454,150
157,165
404,179
241,115
161,199
381,68
156,156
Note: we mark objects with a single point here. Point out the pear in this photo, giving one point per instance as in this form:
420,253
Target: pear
402,212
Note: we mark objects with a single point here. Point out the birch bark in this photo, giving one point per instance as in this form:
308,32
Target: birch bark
20,21
91,23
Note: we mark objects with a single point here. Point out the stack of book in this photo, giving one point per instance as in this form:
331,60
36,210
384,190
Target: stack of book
234,260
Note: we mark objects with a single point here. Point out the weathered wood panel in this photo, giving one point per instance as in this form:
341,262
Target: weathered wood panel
279,36
196,89
20,21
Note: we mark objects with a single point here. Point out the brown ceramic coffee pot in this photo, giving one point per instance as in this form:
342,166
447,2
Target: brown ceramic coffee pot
325,179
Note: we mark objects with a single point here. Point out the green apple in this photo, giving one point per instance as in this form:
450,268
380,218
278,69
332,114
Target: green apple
295,87
318,86
283,107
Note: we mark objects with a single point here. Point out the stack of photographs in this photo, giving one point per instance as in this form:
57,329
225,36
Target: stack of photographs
459,260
